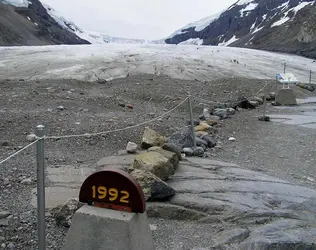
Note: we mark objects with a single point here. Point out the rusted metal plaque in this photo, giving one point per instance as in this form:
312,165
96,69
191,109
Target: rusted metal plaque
113,189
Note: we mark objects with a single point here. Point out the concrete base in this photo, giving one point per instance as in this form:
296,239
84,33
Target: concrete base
95,228
285,97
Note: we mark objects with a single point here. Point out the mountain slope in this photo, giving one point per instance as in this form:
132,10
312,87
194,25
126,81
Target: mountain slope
24,22
28,23
283,26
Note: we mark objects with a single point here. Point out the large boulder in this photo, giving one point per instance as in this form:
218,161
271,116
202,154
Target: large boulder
155,163
211,141
152,138
173,157
244,103
154,188
172,148
204,127
258,100
63,213
131,147
206,114
222,113
182,138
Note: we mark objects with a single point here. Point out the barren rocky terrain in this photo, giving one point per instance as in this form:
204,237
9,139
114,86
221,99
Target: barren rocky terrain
68,107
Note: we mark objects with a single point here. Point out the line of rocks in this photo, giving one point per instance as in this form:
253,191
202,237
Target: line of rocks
157,158
307,86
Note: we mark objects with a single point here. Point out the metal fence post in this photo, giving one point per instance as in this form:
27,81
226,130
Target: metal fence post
265,104
310,77
191,119
40,188
284,67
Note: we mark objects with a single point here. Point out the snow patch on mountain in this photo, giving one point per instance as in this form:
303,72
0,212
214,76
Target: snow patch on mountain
248,8
192,41
230,41
198,25
17,3
295,9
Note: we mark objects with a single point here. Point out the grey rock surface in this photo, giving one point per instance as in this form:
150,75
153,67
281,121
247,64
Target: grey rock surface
253,210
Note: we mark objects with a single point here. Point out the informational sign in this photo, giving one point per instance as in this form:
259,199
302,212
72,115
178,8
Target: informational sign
113,189
286,78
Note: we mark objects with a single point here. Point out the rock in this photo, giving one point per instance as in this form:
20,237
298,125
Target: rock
3,245
235,235
198,151
27,181
242,102
211,141
155,163
5,143
222,113
211,122
10,245
153,187
232,139
61,108
254,103
2,239
206,114
204,147
131,147
4,218
204,127
215,118
188,151
230,111
195,122
200,142
173,157
31,137
264,118
153,227
172,148
152,138
182,138
258,99
6,181
63,214
200,134
4,214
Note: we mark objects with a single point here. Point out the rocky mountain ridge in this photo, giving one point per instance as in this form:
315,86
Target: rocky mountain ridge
28,23
282,26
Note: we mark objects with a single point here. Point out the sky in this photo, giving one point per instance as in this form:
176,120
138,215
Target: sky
143,19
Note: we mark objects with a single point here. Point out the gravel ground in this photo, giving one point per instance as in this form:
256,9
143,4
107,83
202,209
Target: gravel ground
281,150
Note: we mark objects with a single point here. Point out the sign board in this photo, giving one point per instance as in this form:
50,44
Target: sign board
113,189
286,78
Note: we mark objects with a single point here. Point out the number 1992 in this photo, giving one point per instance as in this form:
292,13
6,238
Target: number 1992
112,194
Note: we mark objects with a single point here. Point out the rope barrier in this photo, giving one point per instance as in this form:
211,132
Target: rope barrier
120,129
235,102
117,130
17,152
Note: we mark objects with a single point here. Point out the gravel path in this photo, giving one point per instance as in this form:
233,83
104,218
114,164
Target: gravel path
286,151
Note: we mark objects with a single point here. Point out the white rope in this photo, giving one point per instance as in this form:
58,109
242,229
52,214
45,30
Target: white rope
17,152
236,102
117,130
